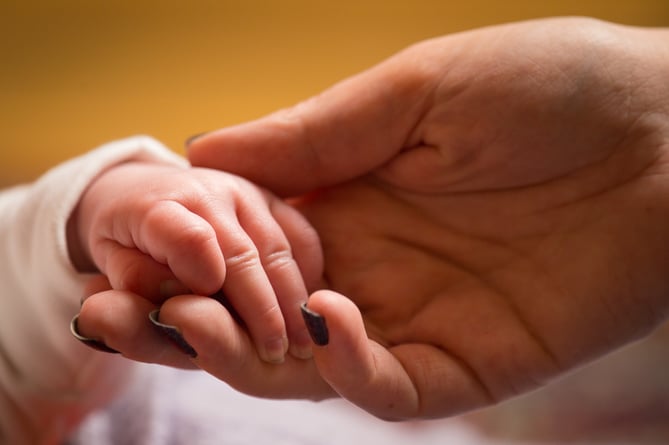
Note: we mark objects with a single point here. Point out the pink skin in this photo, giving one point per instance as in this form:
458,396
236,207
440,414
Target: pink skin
493,212
159,231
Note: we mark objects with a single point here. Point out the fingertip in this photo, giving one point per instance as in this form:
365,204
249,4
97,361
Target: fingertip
208,149
338,331
301,345
359,369
274,350
220,341
120,320
316,326
207,326
191,139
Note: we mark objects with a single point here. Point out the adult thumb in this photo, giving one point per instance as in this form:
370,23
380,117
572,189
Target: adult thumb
357,368
345,132
394,380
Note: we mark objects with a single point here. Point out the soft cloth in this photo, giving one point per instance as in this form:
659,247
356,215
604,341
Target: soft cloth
174,407
48,381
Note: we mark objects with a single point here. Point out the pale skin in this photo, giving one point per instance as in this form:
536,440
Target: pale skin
493,208
158,231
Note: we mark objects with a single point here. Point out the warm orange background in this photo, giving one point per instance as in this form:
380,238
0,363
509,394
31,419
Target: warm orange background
76,73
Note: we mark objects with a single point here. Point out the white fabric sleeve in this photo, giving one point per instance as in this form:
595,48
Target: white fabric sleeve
48,380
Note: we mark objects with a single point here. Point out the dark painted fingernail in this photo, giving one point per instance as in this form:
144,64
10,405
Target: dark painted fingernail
192,139
90,342
172,333
316,325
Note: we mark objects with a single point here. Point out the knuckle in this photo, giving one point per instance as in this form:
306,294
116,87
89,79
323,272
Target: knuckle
242,259
271,317
194,236
171,221
278,259
154,215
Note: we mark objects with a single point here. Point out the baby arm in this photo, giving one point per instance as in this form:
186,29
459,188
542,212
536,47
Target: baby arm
47,380
157,231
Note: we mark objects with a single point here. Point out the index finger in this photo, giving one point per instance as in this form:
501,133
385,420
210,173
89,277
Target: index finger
225,350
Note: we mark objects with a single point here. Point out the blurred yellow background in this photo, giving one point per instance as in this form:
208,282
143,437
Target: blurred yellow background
77,73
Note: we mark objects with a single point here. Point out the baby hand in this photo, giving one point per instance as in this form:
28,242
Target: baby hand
158,231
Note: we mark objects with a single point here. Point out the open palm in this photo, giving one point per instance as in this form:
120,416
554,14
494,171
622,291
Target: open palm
494,203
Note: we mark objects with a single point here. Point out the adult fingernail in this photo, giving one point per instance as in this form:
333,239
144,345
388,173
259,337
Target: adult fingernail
318,328
172,333
90,342
192,139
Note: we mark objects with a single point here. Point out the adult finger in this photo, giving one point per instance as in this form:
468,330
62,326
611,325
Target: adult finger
225,350
348,130
394,382
120,320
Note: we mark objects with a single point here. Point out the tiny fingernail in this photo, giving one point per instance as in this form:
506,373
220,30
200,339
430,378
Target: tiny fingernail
301,346
275,350
172,333
318,328
192,139
90,342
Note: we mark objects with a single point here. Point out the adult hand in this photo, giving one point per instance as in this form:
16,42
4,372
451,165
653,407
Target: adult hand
494,204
